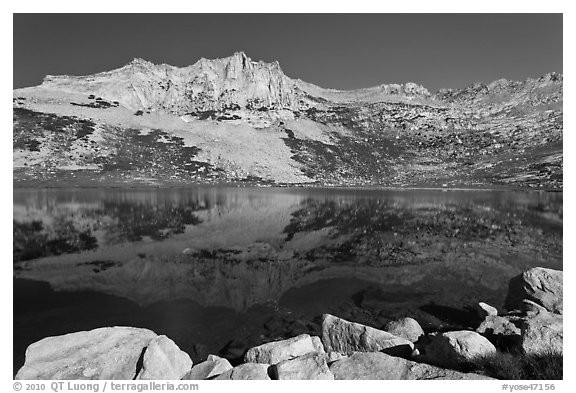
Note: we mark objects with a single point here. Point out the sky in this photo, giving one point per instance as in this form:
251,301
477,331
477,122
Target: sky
341,51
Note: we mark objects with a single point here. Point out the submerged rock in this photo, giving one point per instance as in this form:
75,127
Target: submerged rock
246,371
211,367
377,365
347,337
540,285
311,366
105,353
407,328
453,348
164,360
277,351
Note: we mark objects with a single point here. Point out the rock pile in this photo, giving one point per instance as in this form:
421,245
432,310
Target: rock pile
346,350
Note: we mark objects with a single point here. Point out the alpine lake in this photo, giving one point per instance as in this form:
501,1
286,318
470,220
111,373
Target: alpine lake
222,269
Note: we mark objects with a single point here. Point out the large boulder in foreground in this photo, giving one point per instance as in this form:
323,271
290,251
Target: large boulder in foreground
542,333
277,351
540,285
377,365
407,328
246,371
453,348
311,366
213,366
163,360
105,353
347,337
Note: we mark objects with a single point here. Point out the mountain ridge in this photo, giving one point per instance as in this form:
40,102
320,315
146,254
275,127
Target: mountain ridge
406,88
292,132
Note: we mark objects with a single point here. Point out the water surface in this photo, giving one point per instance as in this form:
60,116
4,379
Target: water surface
221,269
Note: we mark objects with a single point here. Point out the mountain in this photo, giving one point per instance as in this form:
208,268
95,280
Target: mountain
204,86
234,120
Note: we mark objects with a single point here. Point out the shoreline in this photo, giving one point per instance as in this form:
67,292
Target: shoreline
528,337
22,186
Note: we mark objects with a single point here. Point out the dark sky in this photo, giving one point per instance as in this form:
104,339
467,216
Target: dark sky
331,50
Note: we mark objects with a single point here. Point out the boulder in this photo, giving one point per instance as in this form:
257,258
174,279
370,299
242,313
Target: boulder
246,371
104,353
317,343
377,365
484,310
347,337
453,348
542,333
540,285
407,328
164,360
531,308
498,326
501,330
213,366
310,366
277,351
332,356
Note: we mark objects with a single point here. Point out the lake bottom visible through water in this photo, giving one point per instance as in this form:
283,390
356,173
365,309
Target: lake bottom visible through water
219,270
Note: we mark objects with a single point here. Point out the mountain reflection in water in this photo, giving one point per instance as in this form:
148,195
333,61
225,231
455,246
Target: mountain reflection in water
211,266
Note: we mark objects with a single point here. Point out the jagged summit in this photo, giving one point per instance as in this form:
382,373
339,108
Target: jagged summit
216,84
204,86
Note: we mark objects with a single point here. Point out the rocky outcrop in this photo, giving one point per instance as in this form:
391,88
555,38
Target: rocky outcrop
164,360
105,353
278,351
212,366
347,337
246,371
377,365
451,349
539,285
407,328
310,366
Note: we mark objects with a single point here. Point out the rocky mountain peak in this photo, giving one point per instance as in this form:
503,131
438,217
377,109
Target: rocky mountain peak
208,85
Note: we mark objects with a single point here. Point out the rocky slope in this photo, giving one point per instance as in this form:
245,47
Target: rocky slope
237,120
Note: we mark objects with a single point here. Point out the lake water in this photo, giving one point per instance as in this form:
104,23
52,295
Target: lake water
219,270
